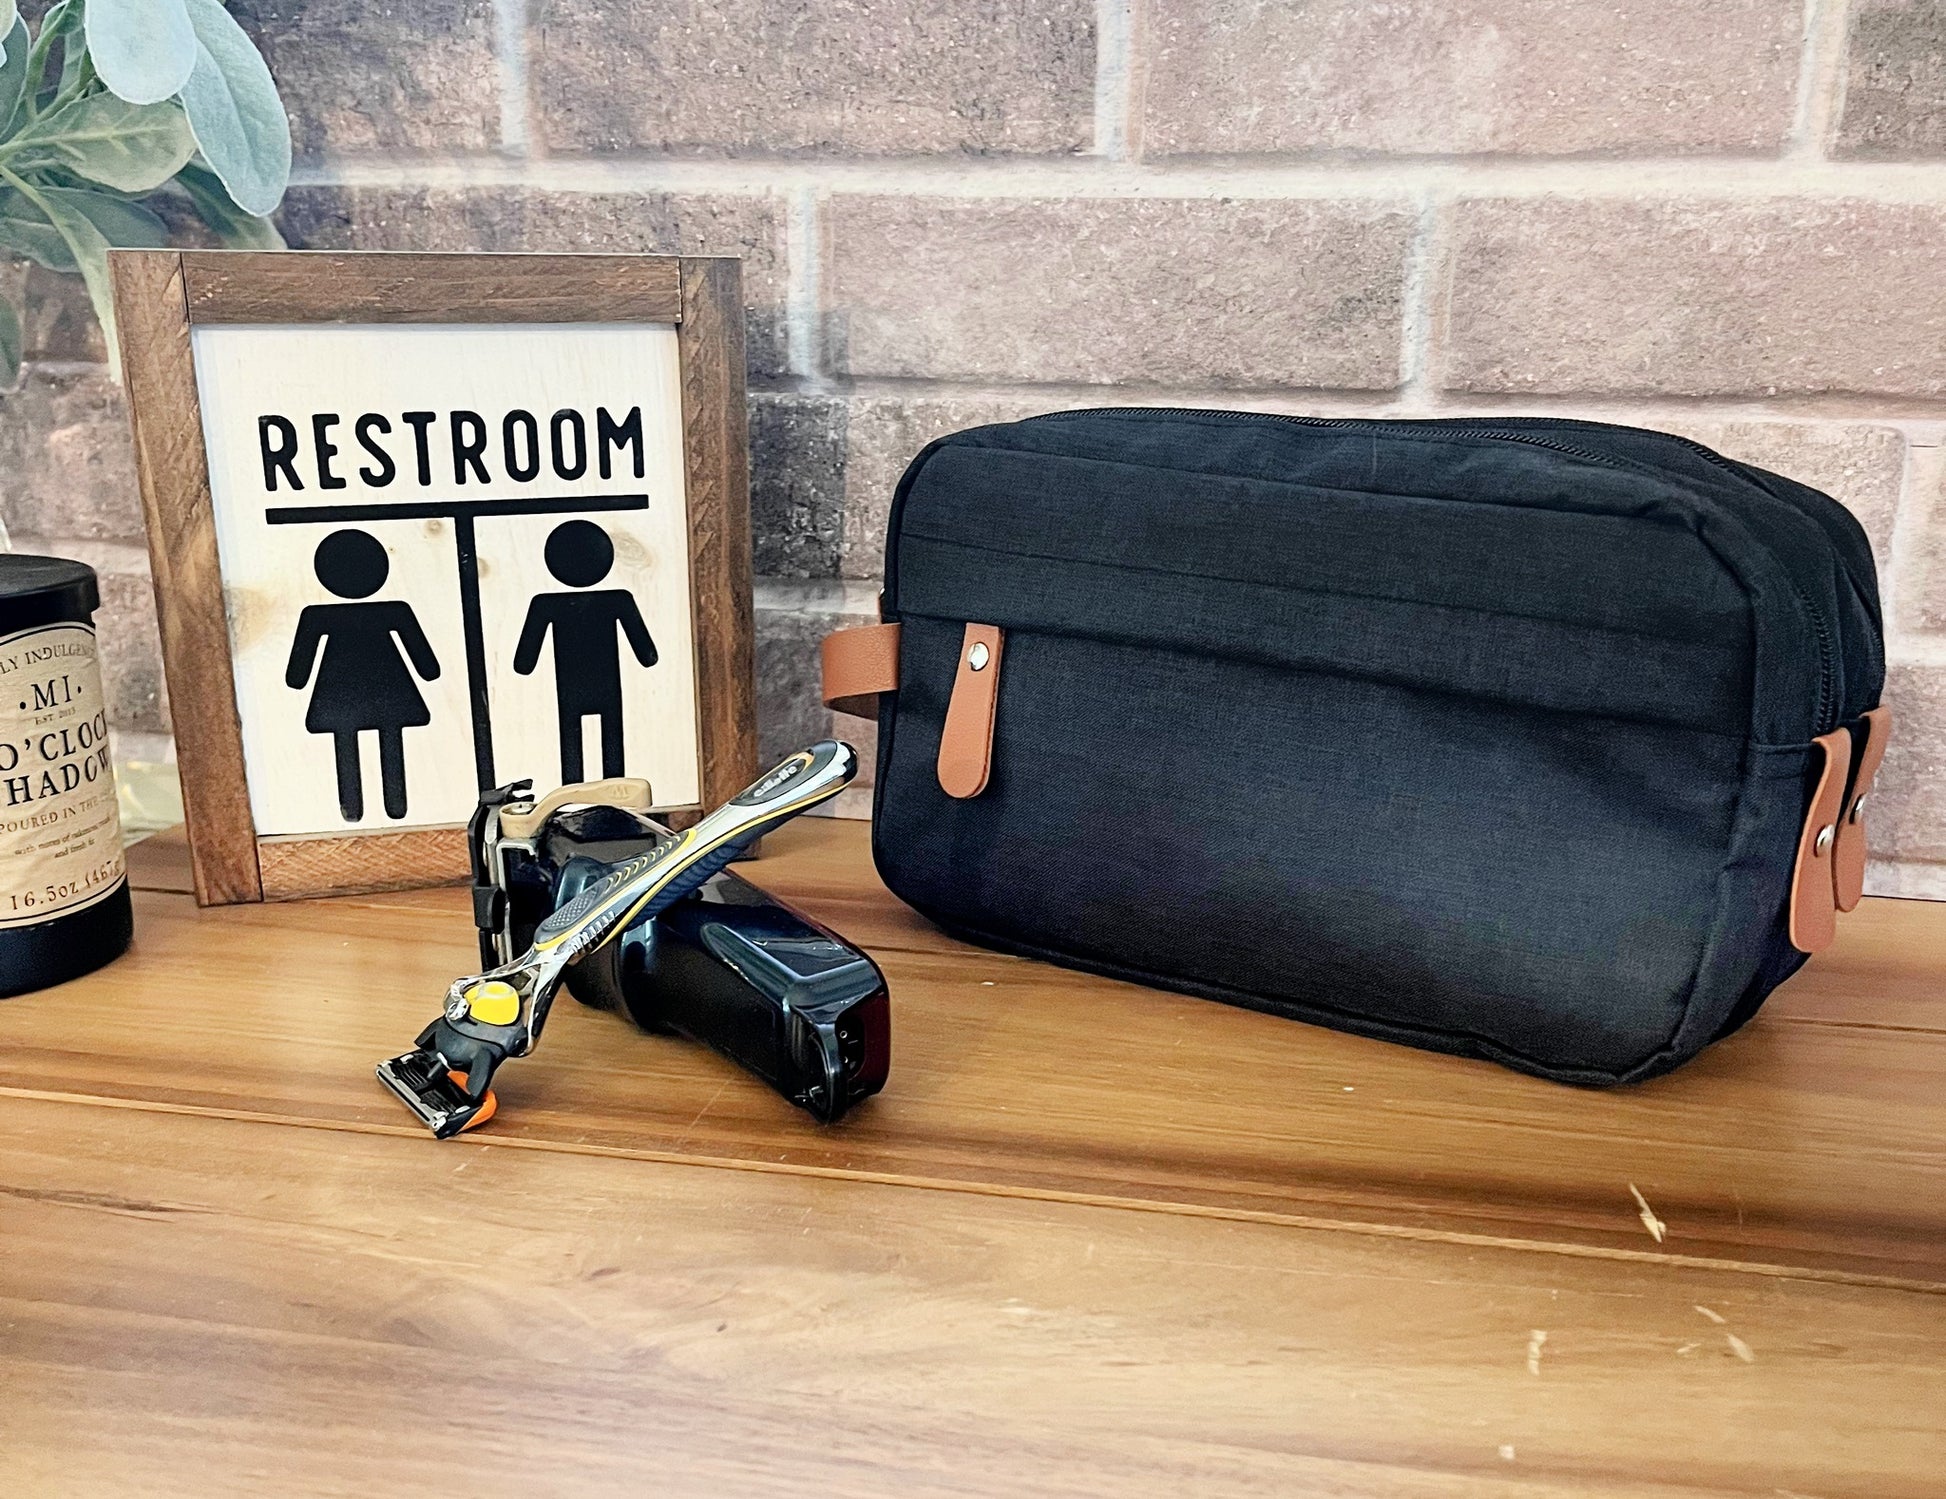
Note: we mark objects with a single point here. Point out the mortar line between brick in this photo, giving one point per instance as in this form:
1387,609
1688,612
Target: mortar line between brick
803,287
814,595
1922,651
1407,179
1416,294
1114,43
510,49
1820,79
107,554
1919,418
1901,879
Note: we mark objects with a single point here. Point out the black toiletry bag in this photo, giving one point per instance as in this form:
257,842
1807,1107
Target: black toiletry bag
1539,741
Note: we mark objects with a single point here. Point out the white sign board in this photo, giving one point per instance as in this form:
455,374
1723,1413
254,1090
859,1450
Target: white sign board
452,556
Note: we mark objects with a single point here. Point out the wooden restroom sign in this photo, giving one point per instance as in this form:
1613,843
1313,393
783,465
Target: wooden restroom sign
425,524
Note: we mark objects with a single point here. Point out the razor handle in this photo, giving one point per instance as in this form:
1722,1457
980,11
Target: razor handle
640,888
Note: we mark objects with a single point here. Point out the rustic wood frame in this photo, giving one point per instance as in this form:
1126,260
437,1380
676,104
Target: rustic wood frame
160,295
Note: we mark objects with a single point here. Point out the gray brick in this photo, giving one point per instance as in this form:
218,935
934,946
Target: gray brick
1547,77
790,708
1908,814
1921,596
1687,297
797,477
67,466
859,77
59,321
13,278
823,468
790,712
1895,92
1187,292
131,651
377,75
323,218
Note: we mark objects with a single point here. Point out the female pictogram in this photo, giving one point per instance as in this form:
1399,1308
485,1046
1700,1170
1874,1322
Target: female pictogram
363,681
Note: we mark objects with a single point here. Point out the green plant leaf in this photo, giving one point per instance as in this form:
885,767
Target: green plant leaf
144,50
233,108
213,204
12,345
125,225
13,71
89,248
24,230
62,24
133,147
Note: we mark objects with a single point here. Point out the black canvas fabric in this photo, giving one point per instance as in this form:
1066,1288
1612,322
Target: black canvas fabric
1486,736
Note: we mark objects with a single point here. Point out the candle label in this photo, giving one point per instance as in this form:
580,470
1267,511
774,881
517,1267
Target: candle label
60,828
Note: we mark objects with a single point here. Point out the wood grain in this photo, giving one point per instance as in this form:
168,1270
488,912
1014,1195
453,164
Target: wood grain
716,458
1814,1142
173,468
211,1308
240,286
360,863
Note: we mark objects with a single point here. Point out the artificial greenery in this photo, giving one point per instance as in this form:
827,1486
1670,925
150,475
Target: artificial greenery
109,103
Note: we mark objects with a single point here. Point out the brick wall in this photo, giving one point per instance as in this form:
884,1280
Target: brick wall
1725,219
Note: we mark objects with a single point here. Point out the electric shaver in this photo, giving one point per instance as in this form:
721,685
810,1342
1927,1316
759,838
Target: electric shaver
633,917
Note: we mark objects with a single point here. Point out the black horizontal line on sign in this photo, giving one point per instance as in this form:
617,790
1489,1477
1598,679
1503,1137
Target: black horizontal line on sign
297,515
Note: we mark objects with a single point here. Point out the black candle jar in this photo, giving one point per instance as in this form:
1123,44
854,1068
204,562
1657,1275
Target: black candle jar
64,906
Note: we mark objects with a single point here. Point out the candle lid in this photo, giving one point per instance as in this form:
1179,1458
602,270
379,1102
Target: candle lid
61,587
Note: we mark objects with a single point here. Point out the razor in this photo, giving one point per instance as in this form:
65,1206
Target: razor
446,1080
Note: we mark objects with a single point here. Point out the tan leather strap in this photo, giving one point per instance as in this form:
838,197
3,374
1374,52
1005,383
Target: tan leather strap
966,745
632,792
1848,863
1814,892
859,664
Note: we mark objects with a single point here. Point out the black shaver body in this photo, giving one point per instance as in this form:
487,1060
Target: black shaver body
730,966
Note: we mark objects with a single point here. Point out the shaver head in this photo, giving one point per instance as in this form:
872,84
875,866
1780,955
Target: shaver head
435,1093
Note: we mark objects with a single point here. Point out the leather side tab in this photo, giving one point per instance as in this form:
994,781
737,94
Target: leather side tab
1848,863
1814,905
966,746
859,664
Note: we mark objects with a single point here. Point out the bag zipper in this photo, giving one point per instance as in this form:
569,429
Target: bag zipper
1827,649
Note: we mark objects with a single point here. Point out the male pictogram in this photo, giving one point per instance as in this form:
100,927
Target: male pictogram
363,681
587,659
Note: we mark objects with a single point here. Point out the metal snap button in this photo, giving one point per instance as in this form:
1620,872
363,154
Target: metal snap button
978,657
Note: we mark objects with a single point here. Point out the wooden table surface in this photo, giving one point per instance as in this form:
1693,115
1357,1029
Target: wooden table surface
1093,1238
